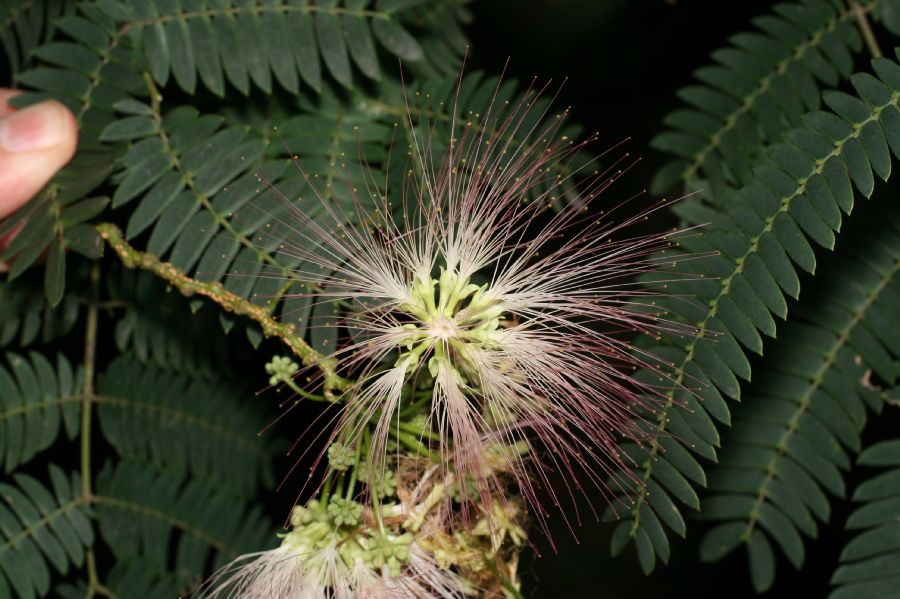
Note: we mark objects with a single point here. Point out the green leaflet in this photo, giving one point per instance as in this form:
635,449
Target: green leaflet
160,329
38,399
144,513
25,25
184,425
124,577
27,318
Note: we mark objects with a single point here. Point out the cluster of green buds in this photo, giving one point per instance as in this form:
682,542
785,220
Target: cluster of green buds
341,457
345,512
381,481
390,551
282,370
316,527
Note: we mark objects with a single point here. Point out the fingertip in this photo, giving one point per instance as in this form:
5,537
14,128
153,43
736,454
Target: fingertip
46,126
69,135
35,142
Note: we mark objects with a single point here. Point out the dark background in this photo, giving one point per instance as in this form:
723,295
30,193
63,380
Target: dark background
624,61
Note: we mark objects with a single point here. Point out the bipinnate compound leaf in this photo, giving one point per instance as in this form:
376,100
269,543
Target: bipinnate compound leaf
751,246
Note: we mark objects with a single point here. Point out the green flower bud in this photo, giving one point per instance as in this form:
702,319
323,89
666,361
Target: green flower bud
383,483
390,551
341,457
282,369
345,512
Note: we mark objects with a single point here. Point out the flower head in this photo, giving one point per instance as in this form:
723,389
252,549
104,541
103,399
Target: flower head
489,328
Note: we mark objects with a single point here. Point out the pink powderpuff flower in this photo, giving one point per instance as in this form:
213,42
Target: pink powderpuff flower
519,316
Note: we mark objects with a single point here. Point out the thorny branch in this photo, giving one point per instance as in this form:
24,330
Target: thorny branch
133,258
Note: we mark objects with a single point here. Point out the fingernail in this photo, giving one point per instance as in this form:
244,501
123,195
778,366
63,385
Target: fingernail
34,128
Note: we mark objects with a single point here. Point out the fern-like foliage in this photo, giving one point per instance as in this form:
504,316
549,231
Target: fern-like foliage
165,330
188,463
172,524
96,69
760,87
37,400
808,404
128,575
870,562
290,40
128,578
89,73
28,318
184,425
40,527
25,25
800,188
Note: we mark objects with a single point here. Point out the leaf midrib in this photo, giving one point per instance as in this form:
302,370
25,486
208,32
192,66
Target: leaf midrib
255,9
45,520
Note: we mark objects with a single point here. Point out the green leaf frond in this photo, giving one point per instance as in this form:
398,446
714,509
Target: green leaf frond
165,329
870,562
759,87
804,413
89,73
27,318
287,41
173,524
747,258
37,400
99,57
41,530
185,425
25,24
123,580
